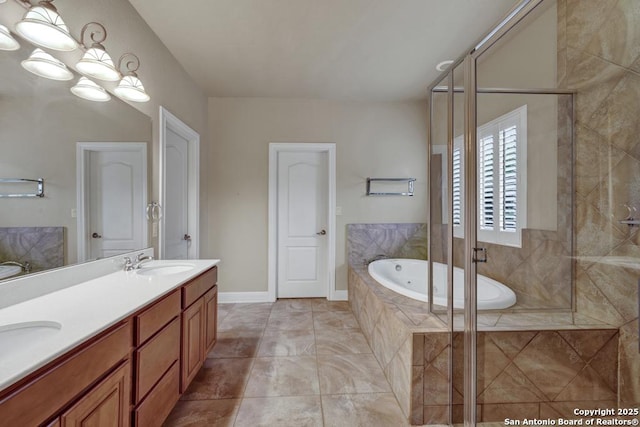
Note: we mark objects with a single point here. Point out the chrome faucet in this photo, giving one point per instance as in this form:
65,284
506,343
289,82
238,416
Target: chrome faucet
134,265
26,267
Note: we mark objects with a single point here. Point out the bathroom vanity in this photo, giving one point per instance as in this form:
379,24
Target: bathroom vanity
117,350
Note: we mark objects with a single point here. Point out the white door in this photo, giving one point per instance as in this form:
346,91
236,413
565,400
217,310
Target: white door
116,202
302,224
180,188
177,238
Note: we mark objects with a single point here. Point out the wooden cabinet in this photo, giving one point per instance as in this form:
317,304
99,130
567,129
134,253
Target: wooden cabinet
106,405
210,319
133,372
50,391
199,323
192,342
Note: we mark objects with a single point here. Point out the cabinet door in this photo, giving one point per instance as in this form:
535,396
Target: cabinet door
106,405
211,319
192,342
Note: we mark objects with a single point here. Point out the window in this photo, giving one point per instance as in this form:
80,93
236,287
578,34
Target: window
502,163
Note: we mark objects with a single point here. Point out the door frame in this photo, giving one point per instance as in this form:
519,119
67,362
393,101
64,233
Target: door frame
274,149
170,121
82,194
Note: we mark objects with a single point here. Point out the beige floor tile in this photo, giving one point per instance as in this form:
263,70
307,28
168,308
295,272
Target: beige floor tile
283,376
287,343
292,304
321,304
236,344
341,341
370,410
334,319
220,379
290,320
351,373
200,413
294,411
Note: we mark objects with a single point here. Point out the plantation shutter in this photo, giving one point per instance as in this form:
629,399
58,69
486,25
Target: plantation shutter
486,183
457,186
508,178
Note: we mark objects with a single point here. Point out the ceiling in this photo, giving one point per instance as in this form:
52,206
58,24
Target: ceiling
332,49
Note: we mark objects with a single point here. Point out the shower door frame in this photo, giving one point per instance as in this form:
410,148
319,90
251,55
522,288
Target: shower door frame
471,90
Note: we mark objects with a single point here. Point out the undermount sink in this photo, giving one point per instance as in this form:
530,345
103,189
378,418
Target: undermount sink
23,334
164,270
9,270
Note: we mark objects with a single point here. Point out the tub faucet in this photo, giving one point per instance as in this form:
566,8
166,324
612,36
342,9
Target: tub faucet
26,267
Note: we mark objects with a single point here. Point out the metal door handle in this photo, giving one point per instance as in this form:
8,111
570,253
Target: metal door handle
96,236
187,237
321,233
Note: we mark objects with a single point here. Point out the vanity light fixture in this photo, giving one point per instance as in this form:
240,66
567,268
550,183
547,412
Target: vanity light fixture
96,62
42,26
130,87
89,90
42,64
7,42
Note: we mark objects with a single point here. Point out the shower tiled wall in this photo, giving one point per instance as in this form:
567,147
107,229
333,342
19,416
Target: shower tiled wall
42,247
599,58
365,241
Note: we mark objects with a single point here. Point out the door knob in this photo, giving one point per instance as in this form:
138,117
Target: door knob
96,236
321,233
187,237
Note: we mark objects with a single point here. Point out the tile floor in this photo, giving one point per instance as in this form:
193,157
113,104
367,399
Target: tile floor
295,362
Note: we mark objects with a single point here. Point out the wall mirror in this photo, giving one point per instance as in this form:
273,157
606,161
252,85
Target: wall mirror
41,124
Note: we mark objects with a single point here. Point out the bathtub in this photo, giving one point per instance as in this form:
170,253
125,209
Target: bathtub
408,277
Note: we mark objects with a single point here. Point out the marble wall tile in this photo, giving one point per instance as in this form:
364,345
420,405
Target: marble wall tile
584,19
590,299
593,78
417,390
565,409
436,415
587,385
399,374
629,371
388,335
618,38
511,386
365,241
549,362
501,411
588,343
42,247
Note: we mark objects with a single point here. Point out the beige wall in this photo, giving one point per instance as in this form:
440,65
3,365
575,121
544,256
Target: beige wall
165,80
372,139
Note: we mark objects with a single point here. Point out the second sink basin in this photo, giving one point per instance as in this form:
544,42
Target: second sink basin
164,270
24,334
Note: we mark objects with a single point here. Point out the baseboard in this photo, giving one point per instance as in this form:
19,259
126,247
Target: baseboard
246,297
243,297
340,295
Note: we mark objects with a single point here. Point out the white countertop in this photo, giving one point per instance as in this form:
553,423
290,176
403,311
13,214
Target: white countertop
83,310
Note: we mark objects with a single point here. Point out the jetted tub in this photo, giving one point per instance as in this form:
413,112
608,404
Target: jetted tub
408,277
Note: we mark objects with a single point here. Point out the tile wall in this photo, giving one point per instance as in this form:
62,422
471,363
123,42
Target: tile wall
365,241
42,247
599,57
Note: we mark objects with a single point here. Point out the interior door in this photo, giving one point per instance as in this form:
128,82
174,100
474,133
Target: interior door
177,238
302,224
116,202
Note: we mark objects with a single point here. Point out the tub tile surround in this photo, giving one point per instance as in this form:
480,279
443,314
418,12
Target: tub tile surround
42,247
598,46
365,241
527,361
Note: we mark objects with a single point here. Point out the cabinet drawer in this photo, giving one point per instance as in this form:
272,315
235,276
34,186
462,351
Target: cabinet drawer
153,319
157,406
107,404
198,286
155,357
39,400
